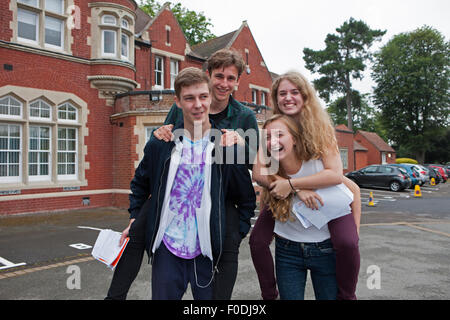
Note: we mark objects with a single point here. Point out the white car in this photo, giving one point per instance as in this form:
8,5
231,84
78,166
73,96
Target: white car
423,172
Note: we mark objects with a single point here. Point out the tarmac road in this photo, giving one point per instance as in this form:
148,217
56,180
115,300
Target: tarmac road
404,244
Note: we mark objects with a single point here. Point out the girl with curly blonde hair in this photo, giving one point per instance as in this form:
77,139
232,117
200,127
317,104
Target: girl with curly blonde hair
293,96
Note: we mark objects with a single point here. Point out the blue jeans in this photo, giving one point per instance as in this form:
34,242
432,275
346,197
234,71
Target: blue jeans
292,262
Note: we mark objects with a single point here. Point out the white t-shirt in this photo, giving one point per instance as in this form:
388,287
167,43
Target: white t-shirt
294,230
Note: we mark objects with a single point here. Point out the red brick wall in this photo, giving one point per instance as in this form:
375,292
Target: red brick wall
345,140
361,159
259,75
80,47
143,67
6,16
373,155
158,35
54,204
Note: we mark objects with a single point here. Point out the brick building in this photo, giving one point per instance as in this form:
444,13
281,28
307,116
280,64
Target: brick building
82,85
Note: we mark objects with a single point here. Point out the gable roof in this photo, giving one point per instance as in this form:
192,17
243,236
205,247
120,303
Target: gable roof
358,147
376,140
142,20
207,48
343,128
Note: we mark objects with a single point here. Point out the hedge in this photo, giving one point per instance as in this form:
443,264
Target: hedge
406,160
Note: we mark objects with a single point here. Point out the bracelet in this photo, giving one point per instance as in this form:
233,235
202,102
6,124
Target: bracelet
293,190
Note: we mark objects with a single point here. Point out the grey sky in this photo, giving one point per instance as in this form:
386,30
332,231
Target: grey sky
282,28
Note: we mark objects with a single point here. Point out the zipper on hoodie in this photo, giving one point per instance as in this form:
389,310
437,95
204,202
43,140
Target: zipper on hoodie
220,221
150,259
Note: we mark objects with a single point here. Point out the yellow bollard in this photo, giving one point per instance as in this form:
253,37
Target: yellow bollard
371,203
417,192
432,182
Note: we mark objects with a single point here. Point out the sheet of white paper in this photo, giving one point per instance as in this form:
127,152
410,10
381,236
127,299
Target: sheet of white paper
106,248
336,199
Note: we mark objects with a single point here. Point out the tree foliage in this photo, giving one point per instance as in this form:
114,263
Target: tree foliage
343,59
412,76
196,27
364,116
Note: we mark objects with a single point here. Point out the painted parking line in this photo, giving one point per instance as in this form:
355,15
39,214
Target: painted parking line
415,225
8,264
51,266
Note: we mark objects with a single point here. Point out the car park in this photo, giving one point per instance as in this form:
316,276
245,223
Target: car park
441,171
381,176
423,171
413,174
445,171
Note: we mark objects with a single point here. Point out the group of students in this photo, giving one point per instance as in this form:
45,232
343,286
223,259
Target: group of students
191,204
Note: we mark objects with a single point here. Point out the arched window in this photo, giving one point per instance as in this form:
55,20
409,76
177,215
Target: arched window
67,112
109,19
40,109
10,106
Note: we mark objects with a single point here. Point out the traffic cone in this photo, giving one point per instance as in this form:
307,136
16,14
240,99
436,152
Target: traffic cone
433,182
417,192
371,203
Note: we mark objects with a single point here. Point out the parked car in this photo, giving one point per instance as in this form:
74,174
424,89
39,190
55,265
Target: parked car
412,173
444,168
434,174
441,171
423,171
382,176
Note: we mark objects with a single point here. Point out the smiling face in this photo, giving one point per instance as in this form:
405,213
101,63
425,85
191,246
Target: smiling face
195,101
224,81
289,98
280,142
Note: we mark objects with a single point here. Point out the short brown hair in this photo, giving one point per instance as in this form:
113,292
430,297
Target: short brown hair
224,58
188,77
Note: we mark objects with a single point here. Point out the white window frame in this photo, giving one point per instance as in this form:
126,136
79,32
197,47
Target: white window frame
67,105
127,45
263,98
25,40
65,176
58,12
41,103
108,54
344,157
161,72
148,132
49,45
39,176
9,116
36,3
254,96
13,179
104,22
383,158
173,73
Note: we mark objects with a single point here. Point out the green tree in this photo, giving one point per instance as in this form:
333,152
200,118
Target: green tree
364,116
196,27
412,76
343,59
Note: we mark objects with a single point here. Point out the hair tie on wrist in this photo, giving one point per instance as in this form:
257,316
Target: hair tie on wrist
293,190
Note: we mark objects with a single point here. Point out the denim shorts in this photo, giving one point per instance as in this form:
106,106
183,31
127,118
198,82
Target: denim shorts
292,262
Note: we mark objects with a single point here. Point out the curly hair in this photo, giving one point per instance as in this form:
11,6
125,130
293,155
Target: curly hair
281,208
317,131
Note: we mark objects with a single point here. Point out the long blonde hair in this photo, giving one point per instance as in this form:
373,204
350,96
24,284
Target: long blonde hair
281,208
317,129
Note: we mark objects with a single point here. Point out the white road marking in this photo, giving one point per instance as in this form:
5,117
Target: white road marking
8,264
90,228
80,246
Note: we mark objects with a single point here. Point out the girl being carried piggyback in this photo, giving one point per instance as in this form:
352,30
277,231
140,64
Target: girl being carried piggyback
304,144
